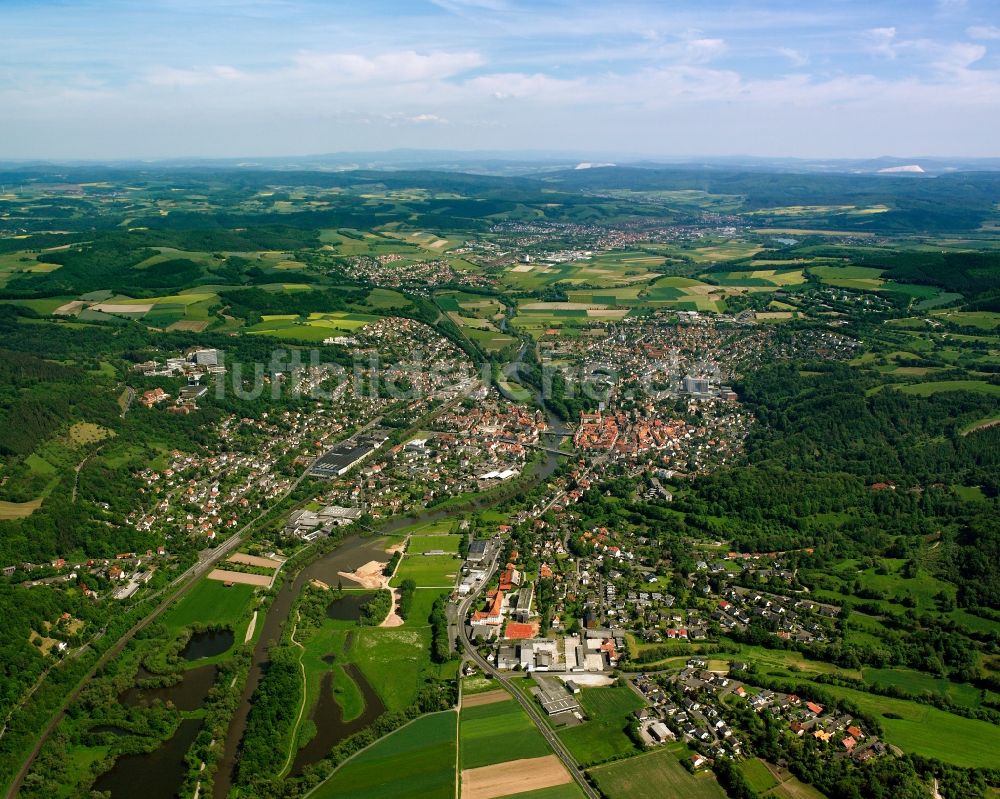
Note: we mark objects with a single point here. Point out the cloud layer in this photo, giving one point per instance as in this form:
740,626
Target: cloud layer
114,79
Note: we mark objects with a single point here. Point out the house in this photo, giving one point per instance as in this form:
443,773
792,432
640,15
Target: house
477,551
698,761
659,732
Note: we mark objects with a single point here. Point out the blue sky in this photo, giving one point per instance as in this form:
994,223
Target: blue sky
810,78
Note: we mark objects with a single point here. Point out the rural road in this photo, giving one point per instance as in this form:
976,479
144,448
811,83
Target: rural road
177,588
547,732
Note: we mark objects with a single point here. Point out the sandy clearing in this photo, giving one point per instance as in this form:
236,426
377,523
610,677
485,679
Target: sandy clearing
18,510
368,576
250,628
239,577
590,680
254,560
486,698
188,325
111,307
69,309
393,619
400,547
512,777
561,306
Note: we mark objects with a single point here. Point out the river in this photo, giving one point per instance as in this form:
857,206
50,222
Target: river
355,551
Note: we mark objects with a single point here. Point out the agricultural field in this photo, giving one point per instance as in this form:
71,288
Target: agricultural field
602,736
849,277
496,733
415,760
616,267
655,775
315,328
760,277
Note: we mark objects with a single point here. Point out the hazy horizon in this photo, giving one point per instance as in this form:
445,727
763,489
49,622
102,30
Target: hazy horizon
111,80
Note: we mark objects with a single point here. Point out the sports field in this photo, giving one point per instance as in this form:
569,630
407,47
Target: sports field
415,760
428,571
427,543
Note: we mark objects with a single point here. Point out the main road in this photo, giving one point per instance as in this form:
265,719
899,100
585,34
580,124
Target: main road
529,707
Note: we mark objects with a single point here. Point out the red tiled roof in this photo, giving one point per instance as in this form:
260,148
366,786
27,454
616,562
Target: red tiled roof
516,630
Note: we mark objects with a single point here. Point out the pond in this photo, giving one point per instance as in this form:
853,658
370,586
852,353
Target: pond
328,716
155,775
207,644
348,606
187,694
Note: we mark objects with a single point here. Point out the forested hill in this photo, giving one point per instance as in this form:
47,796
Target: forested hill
831,465
959,201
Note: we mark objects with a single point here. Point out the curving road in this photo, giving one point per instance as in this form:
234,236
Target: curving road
529,707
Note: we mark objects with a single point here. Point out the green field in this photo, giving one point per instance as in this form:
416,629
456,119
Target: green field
654,776
602,737
315,328
426,543
758,775
428,571
927,731
497,733
568,791
415,760
394,661
984,320
938,386
211,602
917,682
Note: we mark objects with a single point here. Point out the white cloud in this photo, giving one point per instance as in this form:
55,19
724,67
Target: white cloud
983,32
700,51
881,41
402,67
797,58
168,76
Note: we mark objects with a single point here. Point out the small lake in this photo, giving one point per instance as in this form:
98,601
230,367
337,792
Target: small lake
153,775
208,644
188,694
348,606
331,728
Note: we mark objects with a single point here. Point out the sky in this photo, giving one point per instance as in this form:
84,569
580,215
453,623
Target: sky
112,79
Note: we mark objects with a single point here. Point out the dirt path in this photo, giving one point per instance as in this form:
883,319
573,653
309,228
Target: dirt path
250,628
981,426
